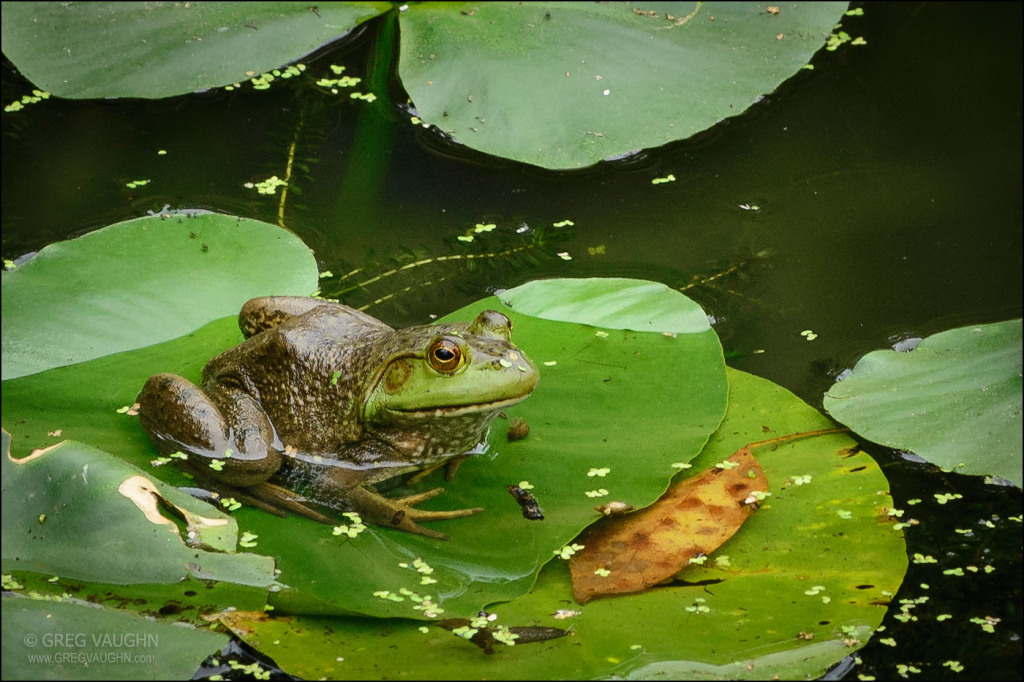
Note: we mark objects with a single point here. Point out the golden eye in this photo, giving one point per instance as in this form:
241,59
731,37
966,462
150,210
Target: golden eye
445,355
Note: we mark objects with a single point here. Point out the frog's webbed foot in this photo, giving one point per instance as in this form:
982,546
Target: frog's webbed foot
400,512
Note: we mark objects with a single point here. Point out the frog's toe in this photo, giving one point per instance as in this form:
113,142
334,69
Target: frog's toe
406,520
401,513
409,501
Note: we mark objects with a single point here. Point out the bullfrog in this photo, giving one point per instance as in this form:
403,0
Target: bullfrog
321,402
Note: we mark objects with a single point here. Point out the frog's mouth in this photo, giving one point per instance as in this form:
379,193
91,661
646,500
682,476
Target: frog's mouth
457,410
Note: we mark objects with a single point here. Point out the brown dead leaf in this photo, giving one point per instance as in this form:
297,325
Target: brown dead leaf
692,518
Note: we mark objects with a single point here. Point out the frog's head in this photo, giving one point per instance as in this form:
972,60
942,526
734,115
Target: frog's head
451,369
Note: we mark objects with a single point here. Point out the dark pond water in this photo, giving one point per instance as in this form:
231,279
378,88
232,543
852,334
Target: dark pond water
889,186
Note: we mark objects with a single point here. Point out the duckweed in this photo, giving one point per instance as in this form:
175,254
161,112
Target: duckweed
34,98
230,503
567,551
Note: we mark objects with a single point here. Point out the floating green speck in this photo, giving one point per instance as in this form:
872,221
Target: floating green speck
567,551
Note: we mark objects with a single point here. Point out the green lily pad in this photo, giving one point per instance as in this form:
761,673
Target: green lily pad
69,640
76,512
622,383
141,282
803,584
955,399
567,84
142,49
609,302
554,84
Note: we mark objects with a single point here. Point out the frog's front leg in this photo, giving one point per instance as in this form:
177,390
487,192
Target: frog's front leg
450,465
223,432
344,486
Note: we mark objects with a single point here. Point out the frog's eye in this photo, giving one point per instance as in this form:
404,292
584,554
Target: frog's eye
445,355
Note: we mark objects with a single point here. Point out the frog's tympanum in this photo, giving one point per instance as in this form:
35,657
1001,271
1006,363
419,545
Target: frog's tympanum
321,402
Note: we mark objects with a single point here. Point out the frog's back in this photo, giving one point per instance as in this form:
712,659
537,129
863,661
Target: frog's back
309,374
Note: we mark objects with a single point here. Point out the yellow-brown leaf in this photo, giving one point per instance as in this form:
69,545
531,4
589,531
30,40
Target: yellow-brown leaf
644,548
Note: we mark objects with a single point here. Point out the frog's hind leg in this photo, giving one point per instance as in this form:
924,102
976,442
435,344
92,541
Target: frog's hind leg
226,438
225,435
267,497
277,500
